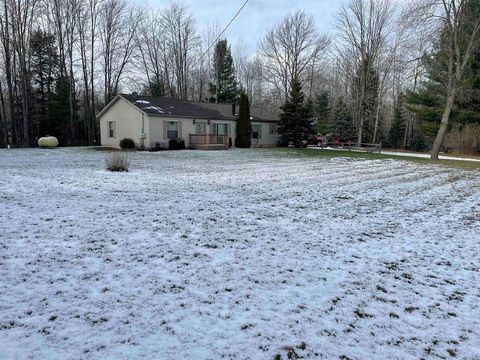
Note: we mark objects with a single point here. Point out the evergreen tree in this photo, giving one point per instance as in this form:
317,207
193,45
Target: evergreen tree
58,121
44,69
295,125
224,85
342,124
155,88
322,111
428,101
397,131
244,123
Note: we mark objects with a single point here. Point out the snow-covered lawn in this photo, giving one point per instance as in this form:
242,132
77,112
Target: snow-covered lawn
236,255
411,154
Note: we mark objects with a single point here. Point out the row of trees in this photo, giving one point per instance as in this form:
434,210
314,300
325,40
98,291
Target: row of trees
399,73
391,72
61,61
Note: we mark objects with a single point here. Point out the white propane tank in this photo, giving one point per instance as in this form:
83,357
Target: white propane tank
48,142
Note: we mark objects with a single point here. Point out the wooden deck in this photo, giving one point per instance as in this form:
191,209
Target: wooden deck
209,142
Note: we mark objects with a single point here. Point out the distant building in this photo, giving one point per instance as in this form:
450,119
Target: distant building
151,122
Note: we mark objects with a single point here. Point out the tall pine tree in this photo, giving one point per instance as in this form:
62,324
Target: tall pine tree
397,131
322,111
342,123
44,69
244,123
295,125
223,86
59,112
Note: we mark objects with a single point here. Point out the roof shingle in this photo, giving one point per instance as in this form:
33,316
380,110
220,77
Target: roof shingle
156,106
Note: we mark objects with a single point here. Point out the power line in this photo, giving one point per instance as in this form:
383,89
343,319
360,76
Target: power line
225,29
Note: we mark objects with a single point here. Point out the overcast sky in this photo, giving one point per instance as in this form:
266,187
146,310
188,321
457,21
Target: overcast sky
256,18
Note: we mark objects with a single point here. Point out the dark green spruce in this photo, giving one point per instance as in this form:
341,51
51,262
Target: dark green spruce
244,123
223,86
295,125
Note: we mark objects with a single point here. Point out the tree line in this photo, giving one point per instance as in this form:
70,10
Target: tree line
404,74
401,73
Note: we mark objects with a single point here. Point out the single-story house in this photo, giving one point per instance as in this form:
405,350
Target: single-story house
152,121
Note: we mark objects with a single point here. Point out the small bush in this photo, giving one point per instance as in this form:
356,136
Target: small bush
418,143
159,146
176,144
282,142
127,144
117,162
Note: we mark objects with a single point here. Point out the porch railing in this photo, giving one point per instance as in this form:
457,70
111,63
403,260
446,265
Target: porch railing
209,139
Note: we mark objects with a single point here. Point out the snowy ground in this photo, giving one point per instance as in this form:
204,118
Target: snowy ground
406,154
236,255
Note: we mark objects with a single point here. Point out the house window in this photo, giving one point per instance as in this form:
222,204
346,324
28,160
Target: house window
200,128
220,129
273,129
172,130
111,129
257,131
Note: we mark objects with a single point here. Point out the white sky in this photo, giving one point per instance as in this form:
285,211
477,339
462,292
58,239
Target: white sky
256,18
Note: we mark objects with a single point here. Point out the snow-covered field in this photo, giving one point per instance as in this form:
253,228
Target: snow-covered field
411,154
236,255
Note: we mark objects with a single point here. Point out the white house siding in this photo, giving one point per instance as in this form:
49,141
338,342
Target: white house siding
157,130
128,123
266,139
187,127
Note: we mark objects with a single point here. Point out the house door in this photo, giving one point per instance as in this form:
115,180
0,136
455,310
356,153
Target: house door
200,128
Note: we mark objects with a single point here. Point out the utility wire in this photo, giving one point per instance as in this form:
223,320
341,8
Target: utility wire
220,35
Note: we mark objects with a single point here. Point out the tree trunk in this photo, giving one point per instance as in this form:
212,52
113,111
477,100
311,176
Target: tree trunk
377,119
93,24
443,125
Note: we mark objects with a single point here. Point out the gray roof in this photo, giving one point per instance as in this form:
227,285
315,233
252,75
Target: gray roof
156,106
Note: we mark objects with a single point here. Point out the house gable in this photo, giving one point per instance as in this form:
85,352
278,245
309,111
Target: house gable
112,103
120,119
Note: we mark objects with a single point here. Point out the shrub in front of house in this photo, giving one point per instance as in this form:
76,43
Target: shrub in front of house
159,146
127,144
117,162
176,144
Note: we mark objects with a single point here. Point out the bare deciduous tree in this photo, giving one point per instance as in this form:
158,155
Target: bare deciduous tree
182,42
364,27
118,24
20,15
87,36
289,48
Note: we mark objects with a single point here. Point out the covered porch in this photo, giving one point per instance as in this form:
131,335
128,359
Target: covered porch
209,141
